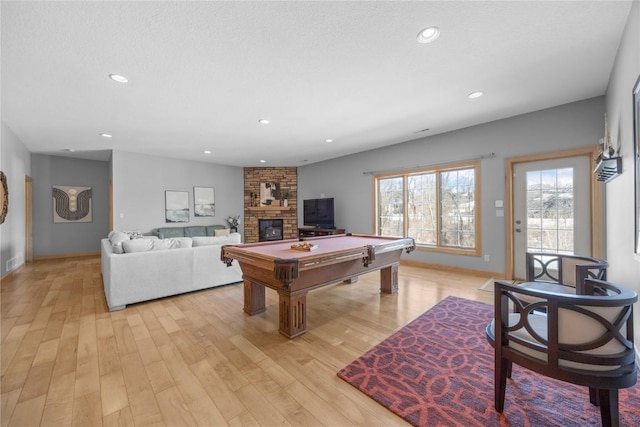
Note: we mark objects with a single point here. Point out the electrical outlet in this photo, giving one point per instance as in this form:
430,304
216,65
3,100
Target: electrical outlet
487,258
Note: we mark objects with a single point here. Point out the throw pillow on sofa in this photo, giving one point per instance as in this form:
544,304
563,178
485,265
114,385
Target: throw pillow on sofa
135,234
211,229
116,238
144,245
222,232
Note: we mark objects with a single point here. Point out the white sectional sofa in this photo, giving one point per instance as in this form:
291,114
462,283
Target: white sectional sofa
148,268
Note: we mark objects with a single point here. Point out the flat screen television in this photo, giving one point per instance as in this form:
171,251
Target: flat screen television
318,213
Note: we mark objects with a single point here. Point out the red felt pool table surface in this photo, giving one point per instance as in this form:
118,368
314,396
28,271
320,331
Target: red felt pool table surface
292,273
326,245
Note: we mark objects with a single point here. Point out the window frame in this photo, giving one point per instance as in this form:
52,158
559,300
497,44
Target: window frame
437,169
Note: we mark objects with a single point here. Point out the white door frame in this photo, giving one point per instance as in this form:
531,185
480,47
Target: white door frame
596,200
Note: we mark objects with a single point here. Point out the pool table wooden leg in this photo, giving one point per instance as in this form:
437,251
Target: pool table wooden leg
293,314
389,279
254,298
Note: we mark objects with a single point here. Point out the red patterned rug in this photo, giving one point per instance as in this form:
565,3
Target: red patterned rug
438,371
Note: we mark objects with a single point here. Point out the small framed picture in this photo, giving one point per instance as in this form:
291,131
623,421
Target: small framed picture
176,206
204,201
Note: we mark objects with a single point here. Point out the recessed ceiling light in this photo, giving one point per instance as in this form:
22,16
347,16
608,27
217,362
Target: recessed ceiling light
428,35
71,150
476,94
207,152
263,161
263,121
328,140
118,78
106,135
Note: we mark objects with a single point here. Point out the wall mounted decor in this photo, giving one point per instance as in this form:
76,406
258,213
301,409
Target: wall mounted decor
636,153
203,201
176,205
72,204
269,192
4,197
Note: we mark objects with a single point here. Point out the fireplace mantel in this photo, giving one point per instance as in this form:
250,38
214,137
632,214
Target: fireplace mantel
269,208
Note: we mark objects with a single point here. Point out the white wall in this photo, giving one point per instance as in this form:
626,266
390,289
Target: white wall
578,124
140,182
15,163
625,264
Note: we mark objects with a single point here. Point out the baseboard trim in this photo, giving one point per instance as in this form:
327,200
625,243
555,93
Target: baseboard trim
443,267
73,255
8,275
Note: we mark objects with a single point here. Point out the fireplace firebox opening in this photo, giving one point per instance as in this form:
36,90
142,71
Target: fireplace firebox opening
270,229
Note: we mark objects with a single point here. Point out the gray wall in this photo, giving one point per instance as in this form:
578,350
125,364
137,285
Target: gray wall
578,124
15,163
51,238
140,181
625,264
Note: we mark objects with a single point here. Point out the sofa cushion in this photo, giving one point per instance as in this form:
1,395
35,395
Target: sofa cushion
211,229
212,240
168,232
117,238
195,230
143,245
222,232
230,239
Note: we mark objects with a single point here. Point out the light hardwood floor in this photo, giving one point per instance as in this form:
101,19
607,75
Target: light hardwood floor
196,359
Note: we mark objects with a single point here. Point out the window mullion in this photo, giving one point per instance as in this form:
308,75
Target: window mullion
405,205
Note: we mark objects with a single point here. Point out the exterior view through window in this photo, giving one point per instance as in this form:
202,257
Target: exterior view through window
437,207
550,216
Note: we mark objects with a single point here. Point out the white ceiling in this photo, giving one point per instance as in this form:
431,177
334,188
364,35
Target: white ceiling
201,74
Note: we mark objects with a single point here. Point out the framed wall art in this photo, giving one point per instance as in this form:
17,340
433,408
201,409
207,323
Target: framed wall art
72,203
176,206
269,193
636,153
204,201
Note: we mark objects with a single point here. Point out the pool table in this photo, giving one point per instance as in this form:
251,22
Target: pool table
293,273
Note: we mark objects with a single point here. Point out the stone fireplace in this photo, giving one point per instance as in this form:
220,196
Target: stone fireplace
287,178
270,229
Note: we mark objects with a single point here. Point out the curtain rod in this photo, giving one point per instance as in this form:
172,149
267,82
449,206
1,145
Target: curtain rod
482,156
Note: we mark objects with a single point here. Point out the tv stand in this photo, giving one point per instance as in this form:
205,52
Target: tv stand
313,231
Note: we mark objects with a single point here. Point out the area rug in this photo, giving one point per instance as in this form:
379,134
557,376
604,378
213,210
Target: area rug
438,371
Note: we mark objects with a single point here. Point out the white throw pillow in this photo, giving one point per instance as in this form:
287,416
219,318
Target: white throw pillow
222,232
143,245
117,238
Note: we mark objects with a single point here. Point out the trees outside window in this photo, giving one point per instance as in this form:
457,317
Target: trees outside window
435,206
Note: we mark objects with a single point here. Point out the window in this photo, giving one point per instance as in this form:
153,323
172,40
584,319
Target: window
438,207
550,211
